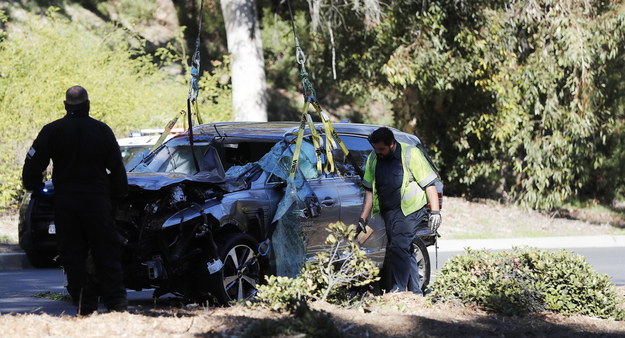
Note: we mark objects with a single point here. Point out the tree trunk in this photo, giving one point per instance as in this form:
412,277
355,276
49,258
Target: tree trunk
249,96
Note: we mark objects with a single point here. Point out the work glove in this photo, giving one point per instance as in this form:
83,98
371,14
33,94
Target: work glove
362,226
435,220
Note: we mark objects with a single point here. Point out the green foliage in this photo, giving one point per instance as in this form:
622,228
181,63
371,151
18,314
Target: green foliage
516,100
43,56
215,97
282,293
535,75
526,280
328,277
139,10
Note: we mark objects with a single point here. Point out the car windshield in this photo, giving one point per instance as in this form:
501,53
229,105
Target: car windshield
133,154
176,157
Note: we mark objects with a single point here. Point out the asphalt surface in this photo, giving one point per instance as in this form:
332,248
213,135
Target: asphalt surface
20,282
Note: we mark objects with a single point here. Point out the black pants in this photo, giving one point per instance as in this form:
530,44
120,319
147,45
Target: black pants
400,233
85,224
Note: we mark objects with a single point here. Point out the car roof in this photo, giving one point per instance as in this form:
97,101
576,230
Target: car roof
279,129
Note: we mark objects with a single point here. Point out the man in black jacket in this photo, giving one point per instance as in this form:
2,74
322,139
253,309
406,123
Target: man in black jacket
88,176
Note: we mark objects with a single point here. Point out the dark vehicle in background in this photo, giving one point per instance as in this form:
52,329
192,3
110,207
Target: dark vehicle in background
197,211
36,217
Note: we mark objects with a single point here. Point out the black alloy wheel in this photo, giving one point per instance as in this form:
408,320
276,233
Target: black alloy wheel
241,273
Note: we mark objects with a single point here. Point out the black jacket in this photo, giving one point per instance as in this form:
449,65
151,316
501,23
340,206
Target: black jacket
82,150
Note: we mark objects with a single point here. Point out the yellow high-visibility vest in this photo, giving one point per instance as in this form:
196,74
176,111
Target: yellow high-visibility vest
418,174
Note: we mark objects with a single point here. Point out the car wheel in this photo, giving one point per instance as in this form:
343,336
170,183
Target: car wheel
423,261
241,273
41,259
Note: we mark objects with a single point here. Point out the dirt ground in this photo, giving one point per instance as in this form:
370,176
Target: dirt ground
394,315
391,315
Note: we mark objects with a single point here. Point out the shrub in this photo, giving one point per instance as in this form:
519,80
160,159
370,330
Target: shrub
329,277
342,267
282,293
526,280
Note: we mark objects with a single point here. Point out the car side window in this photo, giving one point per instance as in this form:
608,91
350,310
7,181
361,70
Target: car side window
181,160
359,148
239,153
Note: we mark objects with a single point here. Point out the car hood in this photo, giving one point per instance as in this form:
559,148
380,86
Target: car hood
157,181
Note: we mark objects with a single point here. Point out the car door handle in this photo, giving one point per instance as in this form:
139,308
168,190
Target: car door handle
328,202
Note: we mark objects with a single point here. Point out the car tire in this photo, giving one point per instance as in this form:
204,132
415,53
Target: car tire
241,273
423,261
41,259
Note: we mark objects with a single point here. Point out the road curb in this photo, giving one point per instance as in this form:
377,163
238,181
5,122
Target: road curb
14,261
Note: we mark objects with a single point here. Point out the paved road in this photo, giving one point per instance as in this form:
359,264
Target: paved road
18,287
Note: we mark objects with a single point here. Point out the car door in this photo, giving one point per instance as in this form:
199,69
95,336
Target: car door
321,208
318,203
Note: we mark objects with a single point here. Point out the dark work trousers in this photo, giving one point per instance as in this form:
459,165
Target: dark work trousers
85,224
400,232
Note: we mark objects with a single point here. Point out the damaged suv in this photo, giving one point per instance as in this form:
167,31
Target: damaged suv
200,208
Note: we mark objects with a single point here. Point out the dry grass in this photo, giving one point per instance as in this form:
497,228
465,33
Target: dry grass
395,315
8,232
488,219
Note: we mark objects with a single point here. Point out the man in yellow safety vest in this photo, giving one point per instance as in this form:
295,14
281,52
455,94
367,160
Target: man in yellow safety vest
398,183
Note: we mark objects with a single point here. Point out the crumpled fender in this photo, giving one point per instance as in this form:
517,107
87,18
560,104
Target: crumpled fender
212,207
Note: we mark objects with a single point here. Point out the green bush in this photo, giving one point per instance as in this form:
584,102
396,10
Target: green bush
282,293
329,277
40,57
527,280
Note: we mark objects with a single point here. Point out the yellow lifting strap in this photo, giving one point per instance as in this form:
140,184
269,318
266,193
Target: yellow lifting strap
331,135
172,123
298,143
196,113
168,128
316,138
331,131
332,139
